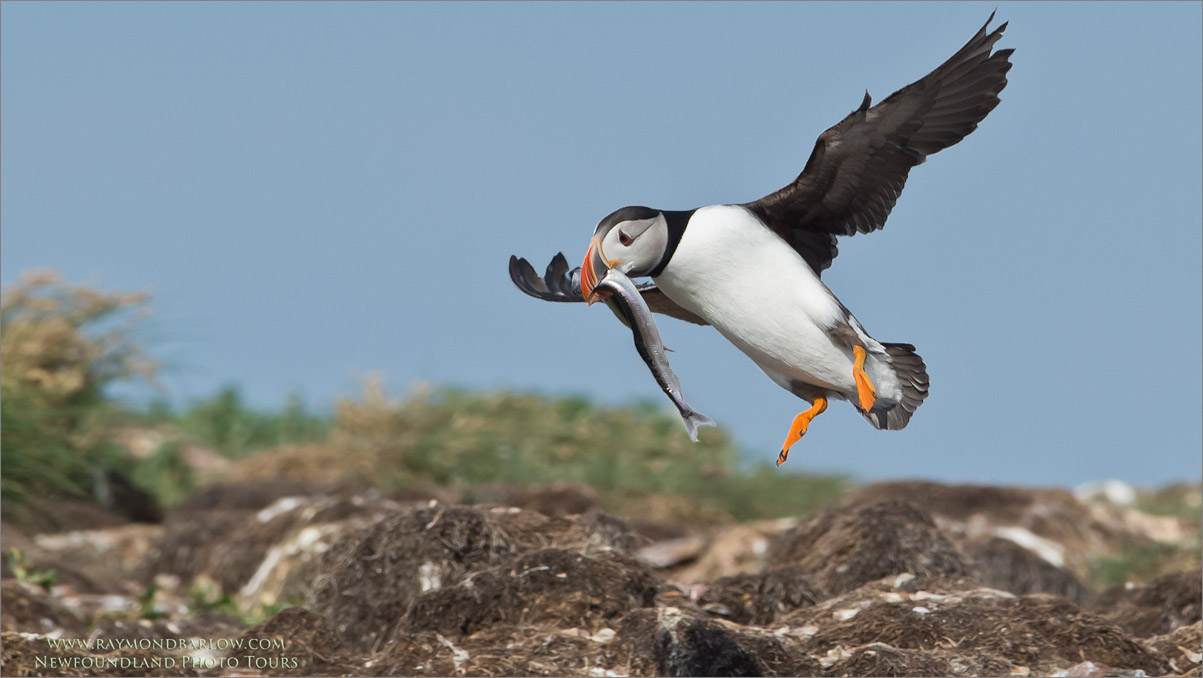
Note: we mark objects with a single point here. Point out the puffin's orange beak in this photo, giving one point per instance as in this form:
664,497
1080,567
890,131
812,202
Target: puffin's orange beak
589,269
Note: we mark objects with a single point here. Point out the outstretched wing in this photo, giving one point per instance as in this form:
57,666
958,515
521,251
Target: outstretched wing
560,284
859,167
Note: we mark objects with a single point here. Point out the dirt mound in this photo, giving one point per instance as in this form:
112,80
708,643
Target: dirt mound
760,599
29,609
554,500
1009,505
497,651
190,541
848,546
869,588
880,659
730,550
1038,632
371,578
263,553
668,641
64,514
254,495
96,561
550,587
29,655
1003,564
1182,649
310,646
1052,522
1159,607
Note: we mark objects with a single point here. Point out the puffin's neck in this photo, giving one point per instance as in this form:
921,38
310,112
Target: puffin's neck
676,221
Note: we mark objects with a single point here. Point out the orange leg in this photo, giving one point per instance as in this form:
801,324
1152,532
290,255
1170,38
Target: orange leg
864,388
798,428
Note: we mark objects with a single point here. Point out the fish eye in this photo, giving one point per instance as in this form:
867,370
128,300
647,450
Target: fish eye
624,238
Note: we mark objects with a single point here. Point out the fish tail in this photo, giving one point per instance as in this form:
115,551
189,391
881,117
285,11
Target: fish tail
695,419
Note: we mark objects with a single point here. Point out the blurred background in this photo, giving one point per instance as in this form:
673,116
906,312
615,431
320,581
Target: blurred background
229,227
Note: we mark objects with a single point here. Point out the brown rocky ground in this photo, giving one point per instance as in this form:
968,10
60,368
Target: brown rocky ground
904,578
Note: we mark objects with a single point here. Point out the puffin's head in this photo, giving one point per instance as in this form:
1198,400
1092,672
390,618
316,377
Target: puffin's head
632,240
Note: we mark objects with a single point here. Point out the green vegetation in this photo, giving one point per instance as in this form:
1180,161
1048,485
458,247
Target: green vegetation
1142,563
227,424
204,595
452,437
1181,500
24,570
223,423
147,609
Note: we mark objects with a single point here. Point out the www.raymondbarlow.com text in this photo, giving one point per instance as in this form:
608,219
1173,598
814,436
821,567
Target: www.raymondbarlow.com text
107,644
203,660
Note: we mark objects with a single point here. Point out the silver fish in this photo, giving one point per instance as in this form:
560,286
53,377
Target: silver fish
628,304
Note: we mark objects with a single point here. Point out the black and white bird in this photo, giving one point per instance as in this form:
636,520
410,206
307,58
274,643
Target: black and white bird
752,270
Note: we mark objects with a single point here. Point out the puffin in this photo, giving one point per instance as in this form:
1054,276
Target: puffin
753,270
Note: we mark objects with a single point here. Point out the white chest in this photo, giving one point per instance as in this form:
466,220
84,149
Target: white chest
759,294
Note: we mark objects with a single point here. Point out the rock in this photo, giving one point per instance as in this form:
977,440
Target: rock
1112,490
671,552
733,550
1003,564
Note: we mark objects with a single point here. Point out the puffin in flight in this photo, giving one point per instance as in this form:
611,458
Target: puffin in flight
752,270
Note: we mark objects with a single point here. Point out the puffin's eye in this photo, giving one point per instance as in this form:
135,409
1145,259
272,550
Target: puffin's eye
624,238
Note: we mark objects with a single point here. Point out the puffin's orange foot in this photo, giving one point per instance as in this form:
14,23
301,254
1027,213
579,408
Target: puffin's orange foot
864,388
798,428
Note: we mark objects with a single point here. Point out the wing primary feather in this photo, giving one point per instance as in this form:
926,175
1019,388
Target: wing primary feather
555,278
859,166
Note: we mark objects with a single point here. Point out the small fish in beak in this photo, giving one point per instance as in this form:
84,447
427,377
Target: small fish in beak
624,298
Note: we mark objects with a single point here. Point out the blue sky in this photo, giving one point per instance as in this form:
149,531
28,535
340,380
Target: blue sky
313,192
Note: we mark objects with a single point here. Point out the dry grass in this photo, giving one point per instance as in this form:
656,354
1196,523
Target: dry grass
60,346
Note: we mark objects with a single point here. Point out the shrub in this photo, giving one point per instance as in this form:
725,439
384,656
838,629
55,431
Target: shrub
60,347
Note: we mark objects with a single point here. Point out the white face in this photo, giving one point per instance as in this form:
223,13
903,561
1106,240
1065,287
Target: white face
634,247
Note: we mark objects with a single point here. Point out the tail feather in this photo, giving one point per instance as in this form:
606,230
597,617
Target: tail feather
912,374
